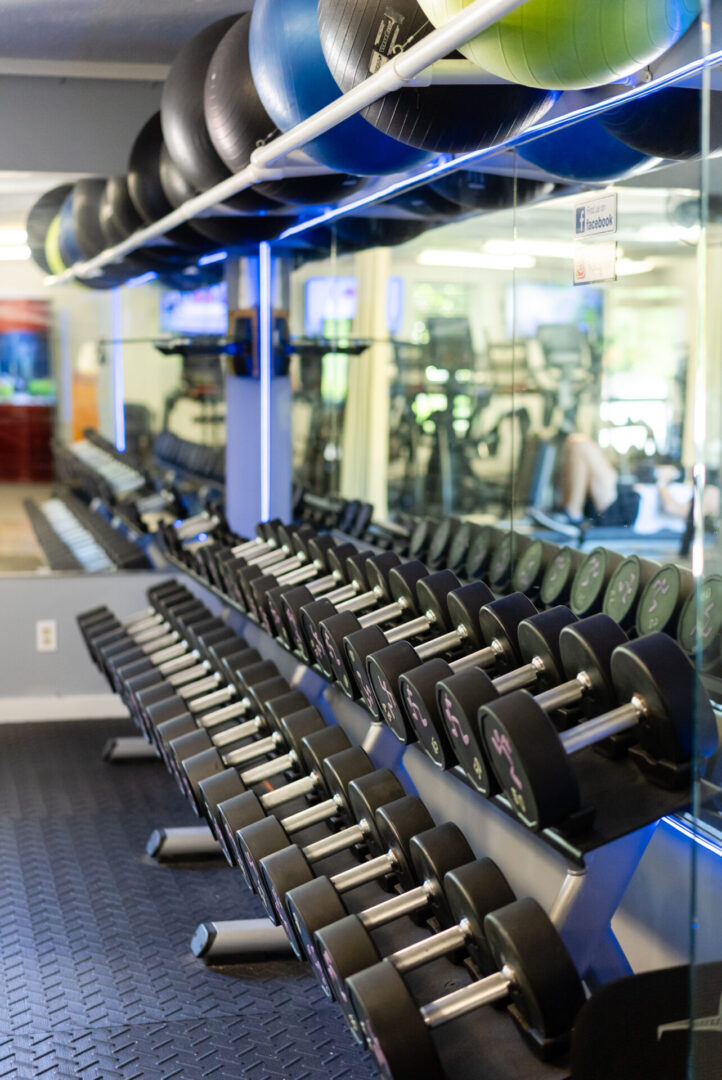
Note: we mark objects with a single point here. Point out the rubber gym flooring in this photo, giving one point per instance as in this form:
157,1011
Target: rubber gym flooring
96,977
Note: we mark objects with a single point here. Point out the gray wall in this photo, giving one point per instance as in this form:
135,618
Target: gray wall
72,125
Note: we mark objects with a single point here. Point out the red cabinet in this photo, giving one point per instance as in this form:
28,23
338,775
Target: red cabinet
26,433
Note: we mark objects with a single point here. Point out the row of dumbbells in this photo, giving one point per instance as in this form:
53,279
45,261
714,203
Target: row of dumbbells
640,595
434,691
465,713
344,859
310,846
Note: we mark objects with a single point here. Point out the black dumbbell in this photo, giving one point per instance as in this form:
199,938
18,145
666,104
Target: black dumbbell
152,637
488,625
464,896
432,594
148,693
580,651
591,581
287,864
200,755
219,649
168,730
264,540
117,653
317,569
219,707
174,643
303,613
265,834
284,604
111,631
319,905
291,555
371,790
396,598
666,708
521,667
559,576
290,875
230,807
625,589
535,974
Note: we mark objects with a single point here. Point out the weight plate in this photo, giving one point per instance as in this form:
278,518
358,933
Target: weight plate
528,567
700,623
589,581
661,601
623,590
557,578
479,552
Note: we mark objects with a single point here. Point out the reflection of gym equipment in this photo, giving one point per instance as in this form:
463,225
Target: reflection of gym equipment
319,406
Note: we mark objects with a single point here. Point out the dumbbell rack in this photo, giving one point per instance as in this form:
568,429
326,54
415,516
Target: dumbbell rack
579,875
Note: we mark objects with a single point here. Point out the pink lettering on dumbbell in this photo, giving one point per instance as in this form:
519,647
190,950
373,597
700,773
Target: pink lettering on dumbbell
504,749
454,725
416,716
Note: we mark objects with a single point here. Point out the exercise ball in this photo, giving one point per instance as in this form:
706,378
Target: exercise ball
119,220
183,119
427,202
666,124
39,219
53,258
68,245
486,191
225,230
293,81
359,38
360,233
145,186
573,44
87,197
584,151
238,124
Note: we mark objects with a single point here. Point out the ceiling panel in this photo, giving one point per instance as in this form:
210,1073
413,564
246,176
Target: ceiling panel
122,31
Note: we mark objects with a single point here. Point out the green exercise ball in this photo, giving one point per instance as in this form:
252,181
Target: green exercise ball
573,44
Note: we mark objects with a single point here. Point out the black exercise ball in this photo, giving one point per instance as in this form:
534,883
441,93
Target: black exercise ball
87,198
238,124
227,230
145,186
183,120
361,233
666,124
427,202
486,191
358,38
38,222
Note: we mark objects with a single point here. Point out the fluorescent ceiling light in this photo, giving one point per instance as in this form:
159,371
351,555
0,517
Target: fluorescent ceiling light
18,253
473,260
13,237
632,267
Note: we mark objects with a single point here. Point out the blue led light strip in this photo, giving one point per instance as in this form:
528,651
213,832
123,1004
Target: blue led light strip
265,360
704,841
545,127
116,312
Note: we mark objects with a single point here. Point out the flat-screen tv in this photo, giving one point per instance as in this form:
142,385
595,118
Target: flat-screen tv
331,302
25,349
204,311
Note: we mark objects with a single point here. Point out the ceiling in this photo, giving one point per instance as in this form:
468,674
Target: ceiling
118,31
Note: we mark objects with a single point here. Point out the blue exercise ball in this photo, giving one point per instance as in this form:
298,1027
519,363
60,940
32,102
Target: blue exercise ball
293,81
69,248
584,151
